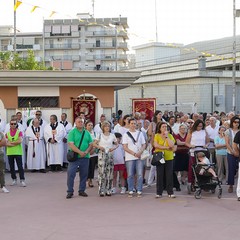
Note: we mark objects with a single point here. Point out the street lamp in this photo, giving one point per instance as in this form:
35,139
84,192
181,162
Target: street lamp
236,13
115,24
14,32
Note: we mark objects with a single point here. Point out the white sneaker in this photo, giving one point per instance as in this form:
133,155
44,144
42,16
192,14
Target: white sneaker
130,194
139,193
5,190
123,190
23,184
14,182
113,190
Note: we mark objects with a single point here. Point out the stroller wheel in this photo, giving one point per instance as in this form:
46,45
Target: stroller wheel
213,191
220,193
197,194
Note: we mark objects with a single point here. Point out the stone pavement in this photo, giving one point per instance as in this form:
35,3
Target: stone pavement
41,212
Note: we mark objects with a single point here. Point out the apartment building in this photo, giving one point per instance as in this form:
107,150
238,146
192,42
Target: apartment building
24,42
84,43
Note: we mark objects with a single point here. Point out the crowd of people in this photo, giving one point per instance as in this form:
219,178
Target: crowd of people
115,147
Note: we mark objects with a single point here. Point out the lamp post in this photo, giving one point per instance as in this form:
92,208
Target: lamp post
14,32
236,13
116,23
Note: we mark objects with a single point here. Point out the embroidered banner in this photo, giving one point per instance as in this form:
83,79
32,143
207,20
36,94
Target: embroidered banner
147,105
86,106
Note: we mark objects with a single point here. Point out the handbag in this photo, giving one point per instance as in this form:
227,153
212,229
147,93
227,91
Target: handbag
158,159
71,155
145,154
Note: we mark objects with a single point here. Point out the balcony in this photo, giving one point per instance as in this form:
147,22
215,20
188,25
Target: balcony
120,45
62,57
62,46
111,33
108,57
4,48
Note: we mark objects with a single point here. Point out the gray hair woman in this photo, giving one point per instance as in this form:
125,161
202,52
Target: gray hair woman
106,142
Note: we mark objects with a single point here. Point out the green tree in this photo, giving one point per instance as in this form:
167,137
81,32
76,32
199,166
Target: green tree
5,59
10,61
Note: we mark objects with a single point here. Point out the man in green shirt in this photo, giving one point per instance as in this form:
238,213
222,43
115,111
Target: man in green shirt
82,161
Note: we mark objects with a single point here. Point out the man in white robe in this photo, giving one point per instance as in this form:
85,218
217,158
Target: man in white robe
36,154
68,126
54,134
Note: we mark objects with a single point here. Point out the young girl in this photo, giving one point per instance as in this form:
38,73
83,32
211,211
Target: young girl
119,165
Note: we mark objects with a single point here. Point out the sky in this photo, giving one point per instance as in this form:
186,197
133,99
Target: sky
178,21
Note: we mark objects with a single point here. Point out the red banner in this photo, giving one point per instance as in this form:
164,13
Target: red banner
86,106
147,105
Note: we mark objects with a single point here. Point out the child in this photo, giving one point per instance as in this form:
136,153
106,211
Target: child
205,161
119,165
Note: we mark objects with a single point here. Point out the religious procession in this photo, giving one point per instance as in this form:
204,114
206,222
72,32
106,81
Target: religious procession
199,150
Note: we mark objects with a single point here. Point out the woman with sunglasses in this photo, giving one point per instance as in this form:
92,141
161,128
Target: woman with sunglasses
231,154
14,152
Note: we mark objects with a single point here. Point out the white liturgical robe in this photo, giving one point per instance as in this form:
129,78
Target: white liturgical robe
54,150
36,154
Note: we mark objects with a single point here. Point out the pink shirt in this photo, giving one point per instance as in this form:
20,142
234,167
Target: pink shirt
13,132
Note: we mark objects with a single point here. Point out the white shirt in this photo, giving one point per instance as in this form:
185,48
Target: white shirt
106,141
118,155
212,133
135,147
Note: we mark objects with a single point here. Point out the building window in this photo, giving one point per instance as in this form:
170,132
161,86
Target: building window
97,43
42,102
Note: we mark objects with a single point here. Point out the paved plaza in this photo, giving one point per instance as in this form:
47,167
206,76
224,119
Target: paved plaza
41,212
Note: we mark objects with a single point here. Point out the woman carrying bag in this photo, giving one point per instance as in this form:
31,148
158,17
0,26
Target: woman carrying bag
164,142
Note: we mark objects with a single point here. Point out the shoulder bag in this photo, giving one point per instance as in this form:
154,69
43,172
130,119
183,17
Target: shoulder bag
71,155
158,158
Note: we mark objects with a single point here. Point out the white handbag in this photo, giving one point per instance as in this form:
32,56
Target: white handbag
145,154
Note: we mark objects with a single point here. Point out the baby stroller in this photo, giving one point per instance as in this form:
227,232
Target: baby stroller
203,180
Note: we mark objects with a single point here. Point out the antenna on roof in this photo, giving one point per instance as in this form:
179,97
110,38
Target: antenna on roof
93,2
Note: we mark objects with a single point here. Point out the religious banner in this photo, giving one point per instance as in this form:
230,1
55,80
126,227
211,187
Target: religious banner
86,106
147,105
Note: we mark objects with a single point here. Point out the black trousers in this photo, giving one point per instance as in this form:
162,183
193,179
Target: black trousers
18,159
92,164
168,169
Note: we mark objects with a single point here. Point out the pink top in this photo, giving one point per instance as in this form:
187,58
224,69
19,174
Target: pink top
13,132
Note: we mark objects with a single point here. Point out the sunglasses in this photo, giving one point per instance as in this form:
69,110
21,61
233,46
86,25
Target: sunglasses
13,124
190,122
37,114
236,121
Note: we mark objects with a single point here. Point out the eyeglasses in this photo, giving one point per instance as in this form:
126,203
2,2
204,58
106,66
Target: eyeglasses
13,124
38,114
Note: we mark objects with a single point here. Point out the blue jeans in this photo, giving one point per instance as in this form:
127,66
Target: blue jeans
83,164
232,168
135,166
